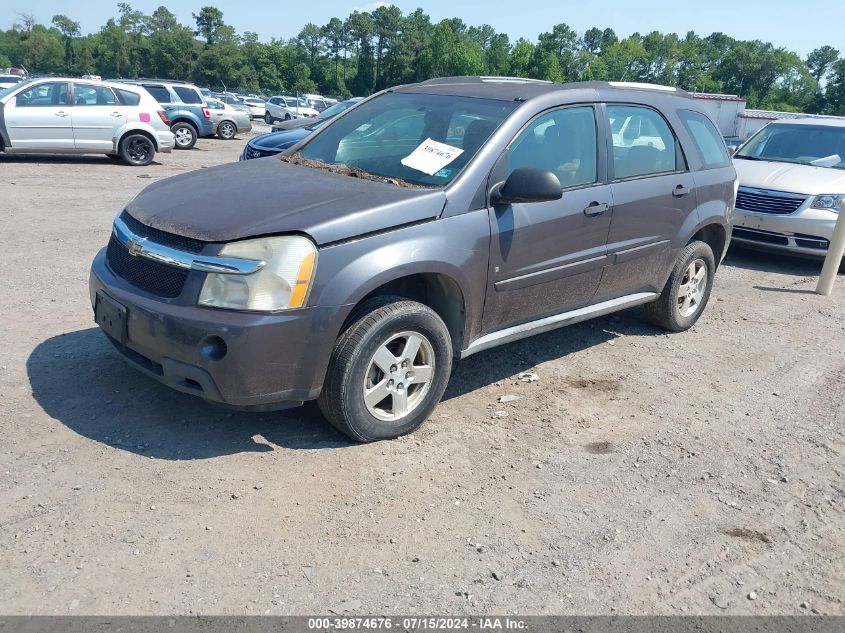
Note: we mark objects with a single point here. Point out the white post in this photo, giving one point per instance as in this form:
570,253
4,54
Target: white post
834,255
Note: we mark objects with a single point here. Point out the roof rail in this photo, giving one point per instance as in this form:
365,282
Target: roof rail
639,85
477,79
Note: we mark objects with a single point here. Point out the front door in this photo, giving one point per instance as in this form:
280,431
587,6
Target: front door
653,196
97,116
39,117
548,257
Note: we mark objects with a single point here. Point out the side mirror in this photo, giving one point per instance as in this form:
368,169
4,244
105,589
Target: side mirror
527,184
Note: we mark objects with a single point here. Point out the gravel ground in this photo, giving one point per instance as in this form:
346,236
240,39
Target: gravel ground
640,473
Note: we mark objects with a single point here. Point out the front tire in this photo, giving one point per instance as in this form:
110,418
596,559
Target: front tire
227,130
268,119
287,116
388,370
687,291
137,150
186,135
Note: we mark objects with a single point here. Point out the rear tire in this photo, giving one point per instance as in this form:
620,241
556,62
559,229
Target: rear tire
137,150
388,370
687,291
186,135
226,130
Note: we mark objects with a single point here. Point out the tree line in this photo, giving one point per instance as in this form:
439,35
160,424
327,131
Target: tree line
368,51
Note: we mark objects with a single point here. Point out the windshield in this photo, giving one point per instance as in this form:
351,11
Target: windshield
421,139
14,87
819,145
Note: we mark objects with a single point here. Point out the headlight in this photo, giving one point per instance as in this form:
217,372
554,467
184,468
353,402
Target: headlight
282,283
828,201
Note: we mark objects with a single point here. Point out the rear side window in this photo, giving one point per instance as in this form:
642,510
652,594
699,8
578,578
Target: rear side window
87,95
643,143
128,97
707,138
159,93
188,95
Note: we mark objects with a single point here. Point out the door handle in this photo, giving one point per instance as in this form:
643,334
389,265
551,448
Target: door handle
62,113
680,191
115,114
596,208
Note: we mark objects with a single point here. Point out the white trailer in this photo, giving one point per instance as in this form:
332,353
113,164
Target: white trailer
724,110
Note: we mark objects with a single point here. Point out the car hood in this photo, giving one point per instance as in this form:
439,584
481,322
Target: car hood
279,140
269,196
790,177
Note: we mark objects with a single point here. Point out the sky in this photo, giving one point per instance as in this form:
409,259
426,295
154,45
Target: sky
799,26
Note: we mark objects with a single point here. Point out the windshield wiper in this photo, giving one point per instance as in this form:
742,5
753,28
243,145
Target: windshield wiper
742,156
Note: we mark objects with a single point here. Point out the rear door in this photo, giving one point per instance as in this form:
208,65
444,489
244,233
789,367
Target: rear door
653,195
39,117
97,116
548,257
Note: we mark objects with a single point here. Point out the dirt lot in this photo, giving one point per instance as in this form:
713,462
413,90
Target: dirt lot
643,473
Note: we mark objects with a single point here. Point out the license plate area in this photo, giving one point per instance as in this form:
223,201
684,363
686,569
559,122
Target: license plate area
111,316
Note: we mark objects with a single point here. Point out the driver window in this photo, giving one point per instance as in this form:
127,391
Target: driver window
46,94
562,142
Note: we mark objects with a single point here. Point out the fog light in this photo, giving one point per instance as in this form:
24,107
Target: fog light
214,348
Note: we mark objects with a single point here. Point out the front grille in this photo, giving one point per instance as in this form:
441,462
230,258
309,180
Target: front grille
251,152
776,202
766,237
146,274
162,237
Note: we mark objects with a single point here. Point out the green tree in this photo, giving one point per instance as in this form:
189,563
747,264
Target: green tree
69,30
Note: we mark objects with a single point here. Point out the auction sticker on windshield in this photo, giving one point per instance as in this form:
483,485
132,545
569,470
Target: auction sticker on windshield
431,156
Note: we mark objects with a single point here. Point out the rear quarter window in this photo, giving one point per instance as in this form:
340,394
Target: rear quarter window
188,94
706,137
127,97
159,93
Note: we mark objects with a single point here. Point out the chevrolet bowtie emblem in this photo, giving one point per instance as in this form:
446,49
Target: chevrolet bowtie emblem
135,247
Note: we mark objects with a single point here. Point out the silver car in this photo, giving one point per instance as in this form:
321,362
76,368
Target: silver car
791,185
83,116
228,122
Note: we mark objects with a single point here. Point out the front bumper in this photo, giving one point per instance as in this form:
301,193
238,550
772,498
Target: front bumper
271,361
806,232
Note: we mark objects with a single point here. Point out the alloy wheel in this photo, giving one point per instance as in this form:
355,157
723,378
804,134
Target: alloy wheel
399,376
693,288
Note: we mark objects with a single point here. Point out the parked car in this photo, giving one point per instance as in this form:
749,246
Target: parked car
289,133
234,101
791,185
430,222
318,102
185,106
257,107
228,122
280,108
325,115
9,80
78,116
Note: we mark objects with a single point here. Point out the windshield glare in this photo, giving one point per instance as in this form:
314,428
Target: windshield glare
377,135
820,145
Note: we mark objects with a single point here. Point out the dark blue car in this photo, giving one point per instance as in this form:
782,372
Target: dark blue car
297,129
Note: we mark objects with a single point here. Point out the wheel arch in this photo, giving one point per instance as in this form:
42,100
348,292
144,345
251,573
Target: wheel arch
437,290
129,131
715,236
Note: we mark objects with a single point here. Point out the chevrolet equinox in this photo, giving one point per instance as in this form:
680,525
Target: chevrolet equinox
425,224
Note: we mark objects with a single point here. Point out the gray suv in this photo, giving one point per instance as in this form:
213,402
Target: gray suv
425,224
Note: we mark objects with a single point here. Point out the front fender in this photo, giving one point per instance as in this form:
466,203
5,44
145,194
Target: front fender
457,247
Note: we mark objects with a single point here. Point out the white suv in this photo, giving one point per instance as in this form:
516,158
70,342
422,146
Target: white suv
82,116
791,184
280,108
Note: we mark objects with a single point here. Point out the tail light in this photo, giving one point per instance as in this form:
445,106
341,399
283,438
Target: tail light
206,113
163,116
